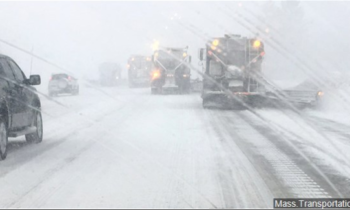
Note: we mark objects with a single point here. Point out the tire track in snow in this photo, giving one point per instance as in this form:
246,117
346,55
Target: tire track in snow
177,182
238,176
134,112
300,177
330,126
105,113
63,128
48,175
333,166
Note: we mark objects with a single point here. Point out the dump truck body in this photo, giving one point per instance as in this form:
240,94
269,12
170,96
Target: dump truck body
171,71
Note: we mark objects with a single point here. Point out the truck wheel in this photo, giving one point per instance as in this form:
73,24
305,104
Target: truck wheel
37,136
3,140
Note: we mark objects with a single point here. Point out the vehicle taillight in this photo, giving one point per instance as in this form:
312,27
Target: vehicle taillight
69,78
50,78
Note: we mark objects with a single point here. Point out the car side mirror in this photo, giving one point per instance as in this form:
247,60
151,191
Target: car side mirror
34,80
189,59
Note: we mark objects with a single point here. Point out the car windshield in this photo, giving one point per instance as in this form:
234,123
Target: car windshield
174,104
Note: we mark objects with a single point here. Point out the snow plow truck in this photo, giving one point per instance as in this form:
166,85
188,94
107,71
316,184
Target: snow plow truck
233,77
171,71
139,71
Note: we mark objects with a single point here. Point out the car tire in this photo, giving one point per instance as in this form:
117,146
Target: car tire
37,136
3,140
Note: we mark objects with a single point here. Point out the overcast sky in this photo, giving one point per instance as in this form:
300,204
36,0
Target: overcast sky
81,35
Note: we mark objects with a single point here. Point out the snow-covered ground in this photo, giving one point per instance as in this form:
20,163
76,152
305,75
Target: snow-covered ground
120,147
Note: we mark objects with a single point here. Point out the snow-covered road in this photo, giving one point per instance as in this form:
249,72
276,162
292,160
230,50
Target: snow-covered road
120,147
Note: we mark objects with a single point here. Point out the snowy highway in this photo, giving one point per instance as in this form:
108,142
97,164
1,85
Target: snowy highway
120,104
120,147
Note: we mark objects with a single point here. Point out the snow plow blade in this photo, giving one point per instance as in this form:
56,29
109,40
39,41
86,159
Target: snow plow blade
296,98
278,99
235,100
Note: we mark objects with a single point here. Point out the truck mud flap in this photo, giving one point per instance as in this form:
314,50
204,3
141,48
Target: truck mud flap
291,99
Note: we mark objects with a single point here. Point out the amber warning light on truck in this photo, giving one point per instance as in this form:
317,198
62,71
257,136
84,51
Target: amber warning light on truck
257,44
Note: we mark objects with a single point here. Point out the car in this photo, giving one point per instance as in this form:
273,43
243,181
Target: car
20,107
63,83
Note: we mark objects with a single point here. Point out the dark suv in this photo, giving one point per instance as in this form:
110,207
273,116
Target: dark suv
19,105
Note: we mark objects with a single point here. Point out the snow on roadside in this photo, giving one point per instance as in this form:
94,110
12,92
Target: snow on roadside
327,147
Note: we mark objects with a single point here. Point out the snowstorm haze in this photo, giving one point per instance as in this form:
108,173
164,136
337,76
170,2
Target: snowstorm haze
80,35
244,121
